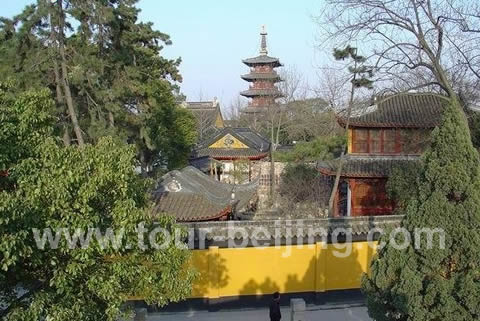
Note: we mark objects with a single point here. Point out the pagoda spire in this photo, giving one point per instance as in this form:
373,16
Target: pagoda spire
262,78
263,45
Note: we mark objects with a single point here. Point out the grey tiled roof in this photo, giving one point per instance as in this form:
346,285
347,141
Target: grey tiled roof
230,153
189,195
224,231
366,166
408,110
262,92
262,59
257,145
205,113
201,104
261,75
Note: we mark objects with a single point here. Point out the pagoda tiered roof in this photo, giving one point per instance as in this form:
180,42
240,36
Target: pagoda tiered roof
272,92
272,76
262,60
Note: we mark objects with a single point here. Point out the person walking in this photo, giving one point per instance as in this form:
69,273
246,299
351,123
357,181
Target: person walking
275,314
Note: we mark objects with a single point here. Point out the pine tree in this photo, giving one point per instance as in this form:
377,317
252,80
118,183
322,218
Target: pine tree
116,79
435,284
360,78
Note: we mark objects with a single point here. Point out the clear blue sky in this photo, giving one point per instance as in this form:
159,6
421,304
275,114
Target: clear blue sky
213,36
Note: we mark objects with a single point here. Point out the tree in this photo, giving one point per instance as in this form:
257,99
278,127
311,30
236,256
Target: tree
360,78
93,190
422,283
103,66
170,136
27,120
321,148
433,39
309,119
303,191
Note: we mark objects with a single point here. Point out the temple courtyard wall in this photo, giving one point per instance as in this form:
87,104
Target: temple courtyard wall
260,271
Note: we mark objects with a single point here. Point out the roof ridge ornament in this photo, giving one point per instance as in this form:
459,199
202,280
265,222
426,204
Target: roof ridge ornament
263,45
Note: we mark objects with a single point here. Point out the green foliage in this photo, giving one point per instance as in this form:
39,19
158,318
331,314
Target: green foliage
75,188
362,73
435,284
171,133
474,125
321,148
401,183
26,120
118,78
300,183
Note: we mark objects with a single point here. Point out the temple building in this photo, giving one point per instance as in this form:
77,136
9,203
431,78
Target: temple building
231,155
389,134
262,78
208,116
191,196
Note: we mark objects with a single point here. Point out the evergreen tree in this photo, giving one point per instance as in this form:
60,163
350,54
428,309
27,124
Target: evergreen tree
422,284
104,68
360,78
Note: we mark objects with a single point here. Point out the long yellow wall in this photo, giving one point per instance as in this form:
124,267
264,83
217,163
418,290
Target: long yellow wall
256,271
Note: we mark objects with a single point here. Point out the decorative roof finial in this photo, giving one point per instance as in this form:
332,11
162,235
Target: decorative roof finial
263,46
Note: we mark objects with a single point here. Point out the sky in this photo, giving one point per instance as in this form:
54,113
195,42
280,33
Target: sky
213,36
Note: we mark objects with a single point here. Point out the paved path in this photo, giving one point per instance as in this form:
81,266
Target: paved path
313,313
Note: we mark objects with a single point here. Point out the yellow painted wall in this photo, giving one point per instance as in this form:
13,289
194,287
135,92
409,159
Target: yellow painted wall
221,143
287,269
349,141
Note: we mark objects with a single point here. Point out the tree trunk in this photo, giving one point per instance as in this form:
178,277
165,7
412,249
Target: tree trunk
342,156
64,77
111,119
60,101
58,89
272,166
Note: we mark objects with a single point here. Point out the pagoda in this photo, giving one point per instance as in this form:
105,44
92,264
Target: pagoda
262,77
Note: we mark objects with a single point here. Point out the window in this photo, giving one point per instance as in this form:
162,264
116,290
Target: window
360,140
389,141
375,140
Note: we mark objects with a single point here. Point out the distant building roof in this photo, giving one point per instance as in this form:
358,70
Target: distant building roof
365,166
191,196
206,114
257,147
407,110
212,104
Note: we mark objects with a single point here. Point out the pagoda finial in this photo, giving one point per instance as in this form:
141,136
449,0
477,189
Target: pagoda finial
263,46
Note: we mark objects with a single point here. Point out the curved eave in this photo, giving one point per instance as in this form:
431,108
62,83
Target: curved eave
329,172
262,60
355,123
254,157
218,216
261,92
259,76
253,64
